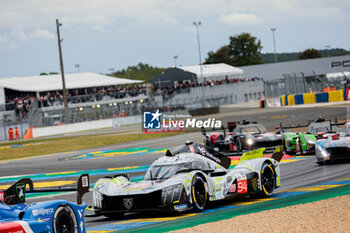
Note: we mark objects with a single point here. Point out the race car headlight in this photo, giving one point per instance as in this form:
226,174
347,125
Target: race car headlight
250,141
321,152
171,194
309,141
97,198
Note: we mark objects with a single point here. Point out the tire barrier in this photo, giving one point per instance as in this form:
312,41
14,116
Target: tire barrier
310,98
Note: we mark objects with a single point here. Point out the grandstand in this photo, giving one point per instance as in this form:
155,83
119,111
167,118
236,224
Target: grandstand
37,86
38,101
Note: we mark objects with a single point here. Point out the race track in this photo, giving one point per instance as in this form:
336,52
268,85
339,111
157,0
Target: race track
135,157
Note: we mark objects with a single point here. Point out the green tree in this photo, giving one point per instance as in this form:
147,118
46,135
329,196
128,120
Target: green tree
220,56
245,49
140,71
310,53
51,73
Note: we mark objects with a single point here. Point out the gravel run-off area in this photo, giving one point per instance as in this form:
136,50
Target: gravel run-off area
330,215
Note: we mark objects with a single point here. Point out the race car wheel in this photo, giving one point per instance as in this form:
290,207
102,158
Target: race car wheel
64,220
239,144
199,193
268,179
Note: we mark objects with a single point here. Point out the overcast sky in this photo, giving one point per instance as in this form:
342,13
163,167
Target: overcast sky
103,34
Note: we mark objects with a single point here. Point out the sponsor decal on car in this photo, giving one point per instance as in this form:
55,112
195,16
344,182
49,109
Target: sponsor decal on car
128,203
242,186
2,196
42,211
20,189
181,207
44,219
137,187
219,195
232,188
255,154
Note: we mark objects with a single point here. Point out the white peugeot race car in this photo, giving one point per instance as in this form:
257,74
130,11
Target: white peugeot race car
188,178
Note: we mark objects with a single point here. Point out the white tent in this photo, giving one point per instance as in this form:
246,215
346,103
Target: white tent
54,82
213,71
338,75
42,83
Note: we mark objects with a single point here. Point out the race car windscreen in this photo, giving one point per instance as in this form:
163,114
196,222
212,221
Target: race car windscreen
346,130
256,129
166,171
316,128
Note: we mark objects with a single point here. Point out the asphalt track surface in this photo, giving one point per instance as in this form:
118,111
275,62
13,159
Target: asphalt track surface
301,172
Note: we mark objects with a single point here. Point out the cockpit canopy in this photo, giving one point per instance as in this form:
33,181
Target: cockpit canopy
166,170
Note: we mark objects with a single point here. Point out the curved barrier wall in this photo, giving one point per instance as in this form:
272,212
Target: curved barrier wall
310,98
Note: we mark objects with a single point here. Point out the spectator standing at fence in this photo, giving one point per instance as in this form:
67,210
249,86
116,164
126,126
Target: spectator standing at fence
332,88
326,89
10,131
310,90
17,133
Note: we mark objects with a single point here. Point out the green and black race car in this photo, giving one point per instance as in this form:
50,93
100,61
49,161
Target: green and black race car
304,143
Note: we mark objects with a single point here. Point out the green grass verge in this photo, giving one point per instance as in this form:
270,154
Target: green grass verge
253,208
56,145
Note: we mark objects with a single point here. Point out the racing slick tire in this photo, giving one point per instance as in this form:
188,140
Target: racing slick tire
239,144
268,180
64,220
199,193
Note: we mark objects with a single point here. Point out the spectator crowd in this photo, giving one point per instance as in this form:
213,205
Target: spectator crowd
54,98
168,91
21,104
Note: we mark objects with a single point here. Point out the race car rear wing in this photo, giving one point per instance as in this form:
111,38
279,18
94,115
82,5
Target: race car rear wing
259,153
16,193
231,126
204,131
319,120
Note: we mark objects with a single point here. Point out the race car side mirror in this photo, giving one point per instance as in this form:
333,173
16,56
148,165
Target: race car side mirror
203,131
168,153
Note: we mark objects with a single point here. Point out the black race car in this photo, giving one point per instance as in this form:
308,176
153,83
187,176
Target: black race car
243,136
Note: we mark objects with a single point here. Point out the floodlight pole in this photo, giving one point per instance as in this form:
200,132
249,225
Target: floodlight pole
328,47
175,57
197,24
274,43
65,99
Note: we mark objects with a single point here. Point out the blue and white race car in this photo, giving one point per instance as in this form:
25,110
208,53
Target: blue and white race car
48,216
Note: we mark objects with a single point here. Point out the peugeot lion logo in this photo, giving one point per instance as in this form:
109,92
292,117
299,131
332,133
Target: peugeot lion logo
128,202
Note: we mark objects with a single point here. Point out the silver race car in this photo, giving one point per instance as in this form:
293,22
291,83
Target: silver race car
188,178
335,147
